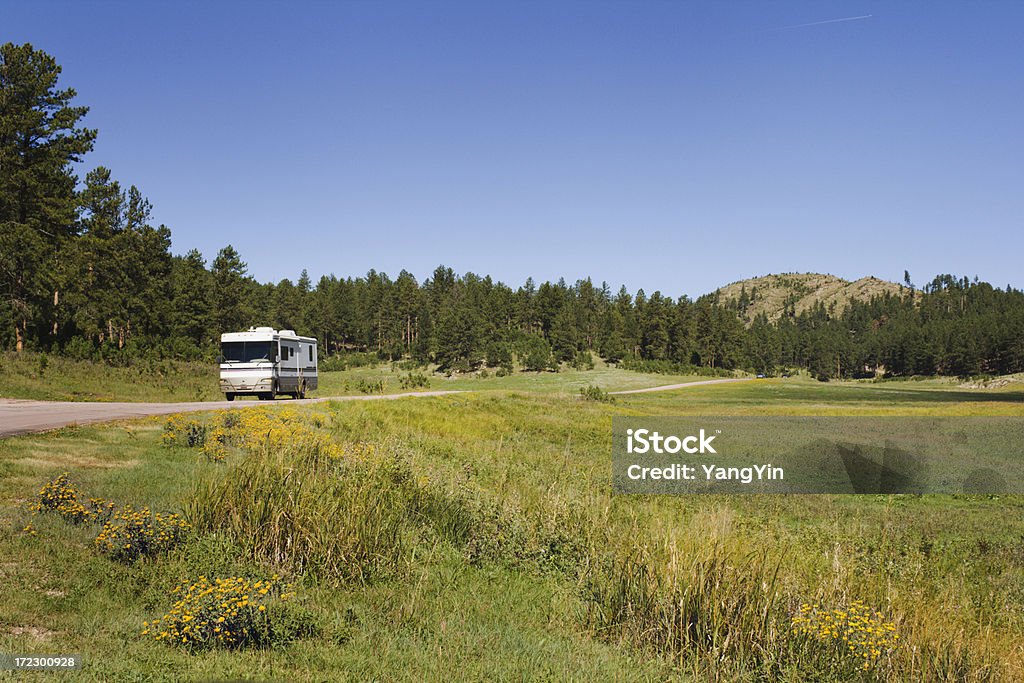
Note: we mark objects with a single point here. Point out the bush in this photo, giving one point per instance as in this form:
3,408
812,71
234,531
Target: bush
366,387
852,637
183,431
595,393
414,381
80,348
132,534
231,612
61,496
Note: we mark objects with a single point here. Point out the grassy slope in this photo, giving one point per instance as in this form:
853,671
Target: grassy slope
946,564
53,378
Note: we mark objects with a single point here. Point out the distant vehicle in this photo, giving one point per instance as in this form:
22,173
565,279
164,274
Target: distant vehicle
760,376
265,362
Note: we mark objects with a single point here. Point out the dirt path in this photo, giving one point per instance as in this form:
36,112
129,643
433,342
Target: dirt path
23,417
669,387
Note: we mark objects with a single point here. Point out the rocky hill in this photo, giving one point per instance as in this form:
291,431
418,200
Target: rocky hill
771,294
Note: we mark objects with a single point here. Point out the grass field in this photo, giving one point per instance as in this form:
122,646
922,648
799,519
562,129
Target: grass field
479,529
53,378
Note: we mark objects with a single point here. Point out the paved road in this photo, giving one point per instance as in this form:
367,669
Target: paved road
23,417
669,387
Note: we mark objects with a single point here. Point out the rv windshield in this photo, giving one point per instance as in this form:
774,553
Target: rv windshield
246,352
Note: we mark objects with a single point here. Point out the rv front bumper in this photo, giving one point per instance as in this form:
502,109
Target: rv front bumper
243,385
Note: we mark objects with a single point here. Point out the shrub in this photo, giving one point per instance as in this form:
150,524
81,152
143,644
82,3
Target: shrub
852,637
366,387
595,393
231,612
79,348
60,496
414,381
131,534
182,431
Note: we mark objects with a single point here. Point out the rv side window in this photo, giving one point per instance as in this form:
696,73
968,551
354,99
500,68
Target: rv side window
310,354
284,353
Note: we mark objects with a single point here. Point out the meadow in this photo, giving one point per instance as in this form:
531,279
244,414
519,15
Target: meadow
475,537
56,378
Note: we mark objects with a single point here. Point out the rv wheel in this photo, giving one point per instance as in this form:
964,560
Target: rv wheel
230,397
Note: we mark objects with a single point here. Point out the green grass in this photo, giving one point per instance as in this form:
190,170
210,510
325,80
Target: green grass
566,382
515,560
55,378
29,376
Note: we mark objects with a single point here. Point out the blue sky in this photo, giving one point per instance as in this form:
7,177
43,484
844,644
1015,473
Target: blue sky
665,145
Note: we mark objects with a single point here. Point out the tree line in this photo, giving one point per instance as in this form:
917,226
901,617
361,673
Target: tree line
84,272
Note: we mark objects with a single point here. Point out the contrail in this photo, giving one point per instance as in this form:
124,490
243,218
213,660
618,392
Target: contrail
827,21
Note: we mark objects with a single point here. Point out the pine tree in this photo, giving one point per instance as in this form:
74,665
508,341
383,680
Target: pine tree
190,302
40,139
229,291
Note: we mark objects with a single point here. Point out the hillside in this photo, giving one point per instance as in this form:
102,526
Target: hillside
770,294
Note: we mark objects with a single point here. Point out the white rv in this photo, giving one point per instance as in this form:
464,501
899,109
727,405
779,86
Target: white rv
265,362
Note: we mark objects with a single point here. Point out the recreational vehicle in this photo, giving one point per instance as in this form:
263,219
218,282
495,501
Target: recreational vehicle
265,362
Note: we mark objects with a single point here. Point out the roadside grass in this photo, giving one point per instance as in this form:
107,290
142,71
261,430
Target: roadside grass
512,558
28,376
56,378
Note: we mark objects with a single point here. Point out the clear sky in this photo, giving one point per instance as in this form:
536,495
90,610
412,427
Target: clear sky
674,146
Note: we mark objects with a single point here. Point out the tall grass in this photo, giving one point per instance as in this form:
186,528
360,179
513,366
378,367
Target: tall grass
718,608
301,511
343,520
714,591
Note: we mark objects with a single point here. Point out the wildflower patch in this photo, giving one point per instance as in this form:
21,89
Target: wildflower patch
127,534
255,429
855,634
230,612
132,534
183,431
63,498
